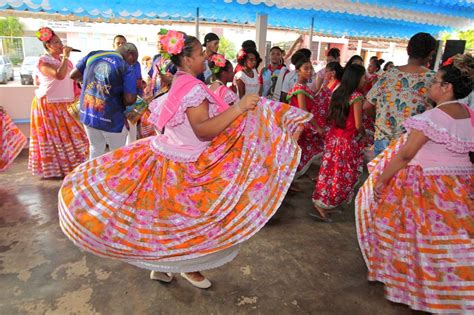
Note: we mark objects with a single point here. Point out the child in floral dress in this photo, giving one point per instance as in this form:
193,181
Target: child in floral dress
342,162
311,139
332,75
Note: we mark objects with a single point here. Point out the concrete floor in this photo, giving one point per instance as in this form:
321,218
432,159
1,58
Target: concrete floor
294,265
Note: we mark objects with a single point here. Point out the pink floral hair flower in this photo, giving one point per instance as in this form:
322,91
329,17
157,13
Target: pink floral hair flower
173,42
219,60
44,34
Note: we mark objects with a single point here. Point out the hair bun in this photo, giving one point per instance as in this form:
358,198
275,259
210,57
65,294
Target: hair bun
465,64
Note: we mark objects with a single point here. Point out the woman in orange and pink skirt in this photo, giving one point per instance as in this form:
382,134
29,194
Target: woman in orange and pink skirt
414,214
58,142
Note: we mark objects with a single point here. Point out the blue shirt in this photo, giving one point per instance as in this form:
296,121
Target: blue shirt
106,77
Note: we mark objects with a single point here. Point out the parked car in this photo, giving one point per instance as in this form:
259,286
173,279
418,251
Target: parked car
27,69
6,69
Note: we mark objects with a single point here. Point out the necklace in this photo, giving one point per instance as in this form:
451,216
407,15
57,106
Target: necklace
249,73
446,103
219,81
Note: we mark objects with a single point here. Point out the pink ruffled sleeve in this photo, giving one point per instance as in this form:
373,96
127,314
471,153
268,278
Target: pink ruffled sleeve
457,135
194,98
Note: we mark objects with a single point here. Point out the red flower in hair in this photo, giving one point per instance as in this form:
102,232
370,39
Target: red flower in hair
448,61
241,54
44,34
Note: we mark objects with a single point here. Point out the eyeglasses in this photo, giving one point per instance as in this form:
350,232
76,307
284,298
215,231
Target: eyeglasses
440,82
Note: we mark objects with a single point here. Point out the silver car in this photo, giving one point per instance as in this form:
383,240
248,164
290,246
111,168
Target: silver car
6,69
27,69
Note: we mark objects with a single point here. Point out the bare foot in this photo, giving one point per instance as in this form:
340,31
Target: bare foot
320,214
295,187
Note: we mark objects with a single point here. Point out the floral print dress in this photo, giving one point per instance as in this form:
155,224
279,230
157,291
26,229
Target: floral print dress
342,163
12,141
311,143
397,96
174,203
418,238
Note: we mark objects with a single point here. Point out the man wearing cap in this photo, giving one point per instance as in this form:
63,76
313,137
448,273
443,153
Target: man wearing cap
211,45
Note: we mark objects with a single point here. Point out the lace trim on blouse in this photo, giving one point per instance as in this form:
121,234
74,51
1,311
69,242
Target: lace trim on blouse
176,156
448,170
439,134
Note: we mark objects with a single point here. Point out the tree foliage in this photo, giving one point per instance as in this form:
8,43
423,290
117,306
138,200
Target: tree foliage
227,48
468,36
10,26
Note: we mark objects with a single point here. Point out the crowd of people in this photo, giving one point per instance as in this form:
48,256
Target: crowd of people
207,163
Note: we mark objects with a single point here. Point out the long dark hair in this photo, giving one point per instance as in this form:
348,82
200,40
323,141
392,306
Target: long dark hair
339,107
337,68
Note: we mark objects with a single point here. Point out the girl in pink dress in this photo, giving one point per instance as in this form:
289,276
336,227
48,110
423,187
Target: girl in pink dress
311,139
414,214
223,74
342,162
58,142
12,141
184,200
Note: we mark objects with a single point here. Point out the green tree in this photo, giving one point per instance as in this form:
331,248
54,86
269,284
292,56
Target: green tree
468,36
10,26
12,47
227,48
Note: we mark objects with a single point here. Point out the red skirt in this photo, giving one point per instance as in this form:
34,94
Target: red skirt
340,170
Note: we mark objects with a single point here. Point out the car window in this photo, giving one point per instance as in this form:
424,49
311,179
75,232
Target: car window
1,61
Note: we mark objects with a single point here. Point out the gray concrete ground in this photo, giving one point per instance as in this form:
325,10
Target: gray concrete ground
295,265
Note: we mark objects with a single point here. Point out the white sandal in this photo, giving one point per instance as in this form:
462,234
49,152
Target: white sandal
161,276
203,284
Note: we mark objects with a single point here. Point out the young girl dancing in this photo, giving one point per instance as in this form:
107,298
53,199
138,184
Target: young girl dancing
342,162
414,214
333,77
184,200
311,139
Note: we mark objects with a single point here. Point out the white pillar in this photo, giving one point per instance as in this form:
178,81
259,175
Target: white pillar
261,35
392,50
310,40
359,47
197,23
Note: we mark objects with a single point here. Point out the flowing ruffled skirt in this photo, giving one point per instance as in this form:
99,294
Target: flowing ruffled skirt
58,143
135,205
418,240
12,141
312,147
145,127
